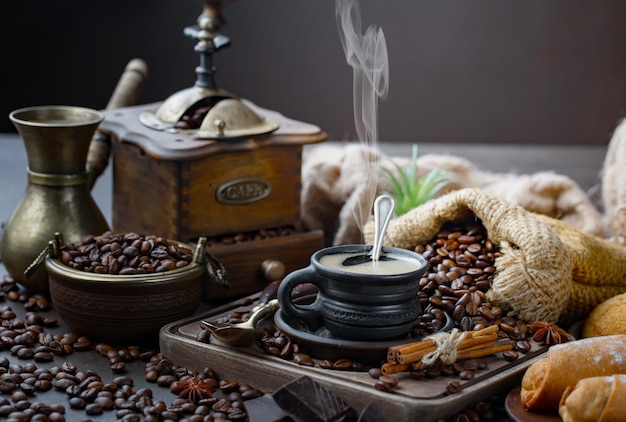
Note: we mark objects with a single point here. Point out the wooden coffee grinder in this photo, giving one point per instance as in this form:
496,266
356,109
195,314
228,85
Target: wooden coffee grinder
207,163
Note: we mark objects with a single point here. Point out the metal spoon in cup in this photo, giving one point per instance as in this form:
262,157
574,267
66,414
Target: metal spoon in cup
243,333
383,211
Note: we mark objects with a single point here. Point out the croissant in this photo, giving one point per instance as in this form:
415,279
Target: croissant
595,399
545,381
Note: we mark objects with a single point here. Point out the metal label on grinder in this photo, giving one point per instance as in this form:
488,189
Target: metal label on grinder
243,191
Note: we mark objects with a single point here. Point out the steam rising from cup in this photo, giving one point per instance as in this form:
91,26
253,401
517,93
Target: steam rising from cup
367,55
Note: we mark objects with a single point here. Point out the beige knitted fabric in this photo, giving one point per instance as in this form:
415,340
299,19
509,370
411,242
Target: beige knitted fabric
333,182
548,270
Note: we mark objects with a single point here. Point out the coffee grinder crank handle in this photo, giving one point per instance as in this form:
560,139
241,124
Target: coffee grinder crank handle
125,94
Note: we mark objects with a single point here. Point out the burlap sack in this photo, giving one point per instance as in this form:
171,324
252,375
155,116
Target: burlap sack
548,270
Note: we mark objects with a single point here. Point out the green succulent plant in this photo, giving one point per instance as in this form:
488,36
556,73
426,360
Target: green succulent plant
409,190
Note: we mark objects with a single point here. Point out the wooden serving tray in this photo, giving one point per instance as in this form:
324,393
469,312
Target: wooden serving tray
412,399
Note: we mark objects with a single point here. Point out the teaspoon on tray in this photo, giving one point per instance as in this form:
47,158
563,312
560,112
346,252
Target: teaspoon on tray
242,333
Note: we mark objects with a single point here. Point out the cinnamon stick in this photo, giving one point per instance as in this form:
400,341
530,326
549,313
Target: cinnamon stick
477,340
415,356
478,346
403,349
479,353
390,368
483,332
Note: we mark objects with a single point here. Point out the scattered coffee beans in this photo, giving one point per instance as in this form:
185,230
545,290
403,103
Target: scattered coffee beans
22,382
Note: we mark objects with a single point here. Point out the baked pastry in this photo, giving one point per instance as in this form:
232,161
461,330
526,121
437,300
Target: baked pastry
606,319
545,380
595,399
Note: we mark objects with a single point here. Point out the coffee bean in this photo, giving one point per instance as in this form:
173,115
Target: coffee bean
228,386
471,309
7,386
77,403
56,417
69,367
375,372
165,380
466,375
118,367
303,359
43,357
286,351
510,355
25,353
466,323
459,312
42,385
127,380
27,388
93,409
89,394
388,379
63,383
523,346
151,376
382,386
453,387
251,393
343,365
325,364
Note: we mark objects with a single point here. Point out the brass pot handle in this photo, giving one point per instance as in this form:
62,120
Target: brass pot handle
52,250
214,267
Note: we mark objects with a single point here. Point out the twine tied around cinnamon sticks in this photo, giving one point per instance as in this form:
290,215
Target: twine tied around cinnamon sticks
446,344
447,347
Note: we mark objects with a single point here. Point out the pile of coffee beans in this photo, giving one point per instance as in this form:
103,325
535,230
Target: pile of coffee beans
461,262
30,369
125,254
461,269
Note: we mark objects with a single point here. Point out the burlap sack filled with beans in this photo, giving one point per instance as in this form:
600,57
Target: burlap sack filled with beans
549,270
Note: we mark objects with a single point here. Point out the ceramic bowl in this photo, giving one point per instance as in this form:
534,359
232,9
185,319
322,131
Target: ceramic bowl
124,309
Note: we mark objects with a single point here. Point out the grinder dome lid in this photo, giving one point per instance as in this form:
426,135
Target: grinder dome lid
232,118
204,111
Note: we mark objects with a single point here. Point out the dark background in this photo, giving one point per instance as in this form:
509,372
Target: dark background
460,71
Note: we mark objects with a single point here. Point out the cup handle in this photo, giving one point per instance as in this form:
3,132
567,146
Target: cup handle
310,314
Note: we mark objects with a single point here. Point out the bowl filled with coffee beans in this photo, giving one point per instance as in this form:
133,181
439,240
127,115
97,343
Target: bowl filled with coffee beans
121,287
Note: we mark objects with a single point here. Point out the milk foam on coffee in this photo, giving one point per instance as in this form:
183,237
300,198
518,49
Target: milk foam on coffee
398,264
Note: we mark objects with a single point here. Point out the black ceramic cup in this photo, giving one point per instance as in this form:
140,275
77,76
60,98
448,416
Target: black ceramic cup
370,301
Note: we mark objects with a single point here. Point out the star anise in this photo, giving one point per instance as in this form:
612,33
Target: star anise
193,389
548,333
